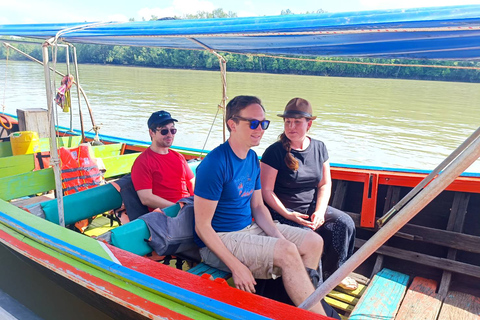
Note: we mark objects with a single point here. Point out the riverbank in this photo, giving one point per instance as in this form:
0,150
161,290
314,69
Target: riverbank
202,60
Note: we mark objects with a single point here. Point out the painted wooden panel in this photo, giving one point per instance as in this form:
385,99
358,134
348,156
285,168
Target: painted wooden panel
13,165
382,297
460,306
25,184
68,142
6,149
119,165
107,150
421,301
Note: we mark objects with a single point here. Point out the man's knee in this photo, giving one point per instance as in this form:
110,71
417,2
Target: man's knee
313,241
285,251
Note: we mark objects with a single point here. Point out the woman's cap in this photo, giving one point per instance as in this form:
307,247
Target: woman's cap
298,108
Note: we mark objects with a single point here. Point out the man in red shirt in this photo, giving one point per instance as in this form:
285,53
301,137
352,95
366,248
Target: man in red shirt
160,175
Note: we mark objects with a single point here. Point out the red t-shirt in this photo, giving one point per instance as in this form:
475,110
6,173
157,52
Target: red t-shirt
168,175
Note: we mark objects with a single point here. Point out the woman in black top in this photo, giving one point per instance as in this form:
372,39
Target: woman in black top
296,186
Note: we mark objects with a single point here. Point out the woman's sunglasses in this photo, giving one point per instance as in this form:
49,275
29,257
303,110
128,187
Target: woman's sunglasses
254,123
164,132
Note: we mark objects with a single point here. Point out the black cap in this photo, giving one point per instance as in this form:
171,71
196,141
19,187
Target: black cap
159,118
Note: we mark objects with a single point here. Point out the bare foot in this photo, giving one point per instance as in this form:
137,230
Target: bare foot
348,284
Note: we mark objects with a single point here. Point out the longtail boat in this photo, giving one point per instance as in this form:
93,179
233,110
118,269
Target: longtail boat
423,262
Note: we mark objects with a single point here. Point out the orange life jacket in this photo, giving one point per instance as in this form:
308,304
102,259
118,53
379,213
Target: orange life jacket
42,160
79,172
79,169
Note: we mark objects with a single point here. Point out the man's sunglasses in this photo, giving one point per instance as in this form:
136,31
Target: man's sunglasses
254,123
164,132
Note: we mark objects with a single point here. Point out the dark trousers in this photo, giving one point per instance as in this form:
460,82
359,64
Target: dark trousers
338,233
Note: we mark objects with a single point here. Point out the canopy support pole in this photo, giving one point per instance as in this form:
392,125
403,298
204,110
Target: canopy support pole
223,69
54,160
444,179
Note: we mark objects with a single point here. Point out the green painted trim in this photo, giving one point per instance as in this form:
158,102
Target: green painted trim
126,284
107,150
26,184
6,149
54,230
119,165
10,166
68,142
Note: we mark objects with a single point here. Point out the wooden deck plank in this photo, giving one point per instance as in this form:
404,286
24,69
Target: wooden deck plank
339,304
203,268
382,297
421,301
32,200
460,306
343,297
356,293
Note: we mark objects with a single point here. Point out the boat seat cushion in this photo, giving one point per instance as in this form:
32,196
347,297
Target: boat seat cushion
131,236
84,204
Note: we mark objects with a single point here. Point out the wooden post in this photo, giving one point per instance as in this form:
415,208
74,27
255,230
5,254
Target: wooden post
444,179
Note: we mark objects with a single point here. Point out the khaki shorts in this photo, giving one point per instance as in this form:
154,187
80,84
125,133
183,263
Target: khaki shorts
254,248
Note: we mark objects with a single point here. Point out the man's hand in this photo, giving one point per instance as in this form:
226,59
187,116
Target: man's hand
243,278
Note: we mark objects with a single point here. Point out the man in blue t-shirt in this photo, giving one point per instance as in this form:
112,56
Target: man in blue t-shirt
227,197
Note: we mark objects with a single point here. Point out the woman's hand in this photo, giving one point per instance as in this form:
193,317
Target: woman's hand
318,219
300,218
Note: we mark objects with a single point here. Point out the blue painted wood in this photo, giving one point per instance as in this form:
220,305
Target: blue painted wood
382,297
202,268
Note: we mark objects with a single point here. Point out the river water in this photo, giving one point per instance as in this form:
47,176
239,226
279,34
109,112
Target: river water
370,122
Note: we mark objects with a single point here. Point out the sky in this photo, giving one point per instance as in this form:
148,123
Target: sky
49,11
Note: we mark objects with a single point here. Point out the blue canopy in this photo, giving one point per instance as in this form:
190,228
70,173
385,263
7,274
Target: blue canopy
425,33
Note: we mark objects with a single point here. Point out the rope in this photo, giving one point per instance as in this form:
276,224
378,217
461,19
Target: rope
223,103
209,131
355,62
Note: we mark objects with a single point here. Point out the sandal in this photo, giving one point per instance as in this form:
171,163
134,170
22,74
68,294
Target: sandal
348,284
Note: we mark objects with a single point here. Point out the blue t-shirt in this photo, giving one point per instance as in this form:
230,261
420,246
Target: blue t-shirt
224,177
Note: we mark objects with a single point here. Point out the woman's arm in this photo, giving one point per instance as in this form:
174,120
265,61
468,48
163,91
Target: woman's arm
268,175
323,196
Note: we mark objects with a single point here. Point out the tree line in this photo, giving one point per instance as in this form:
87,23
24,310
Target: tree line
203,60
